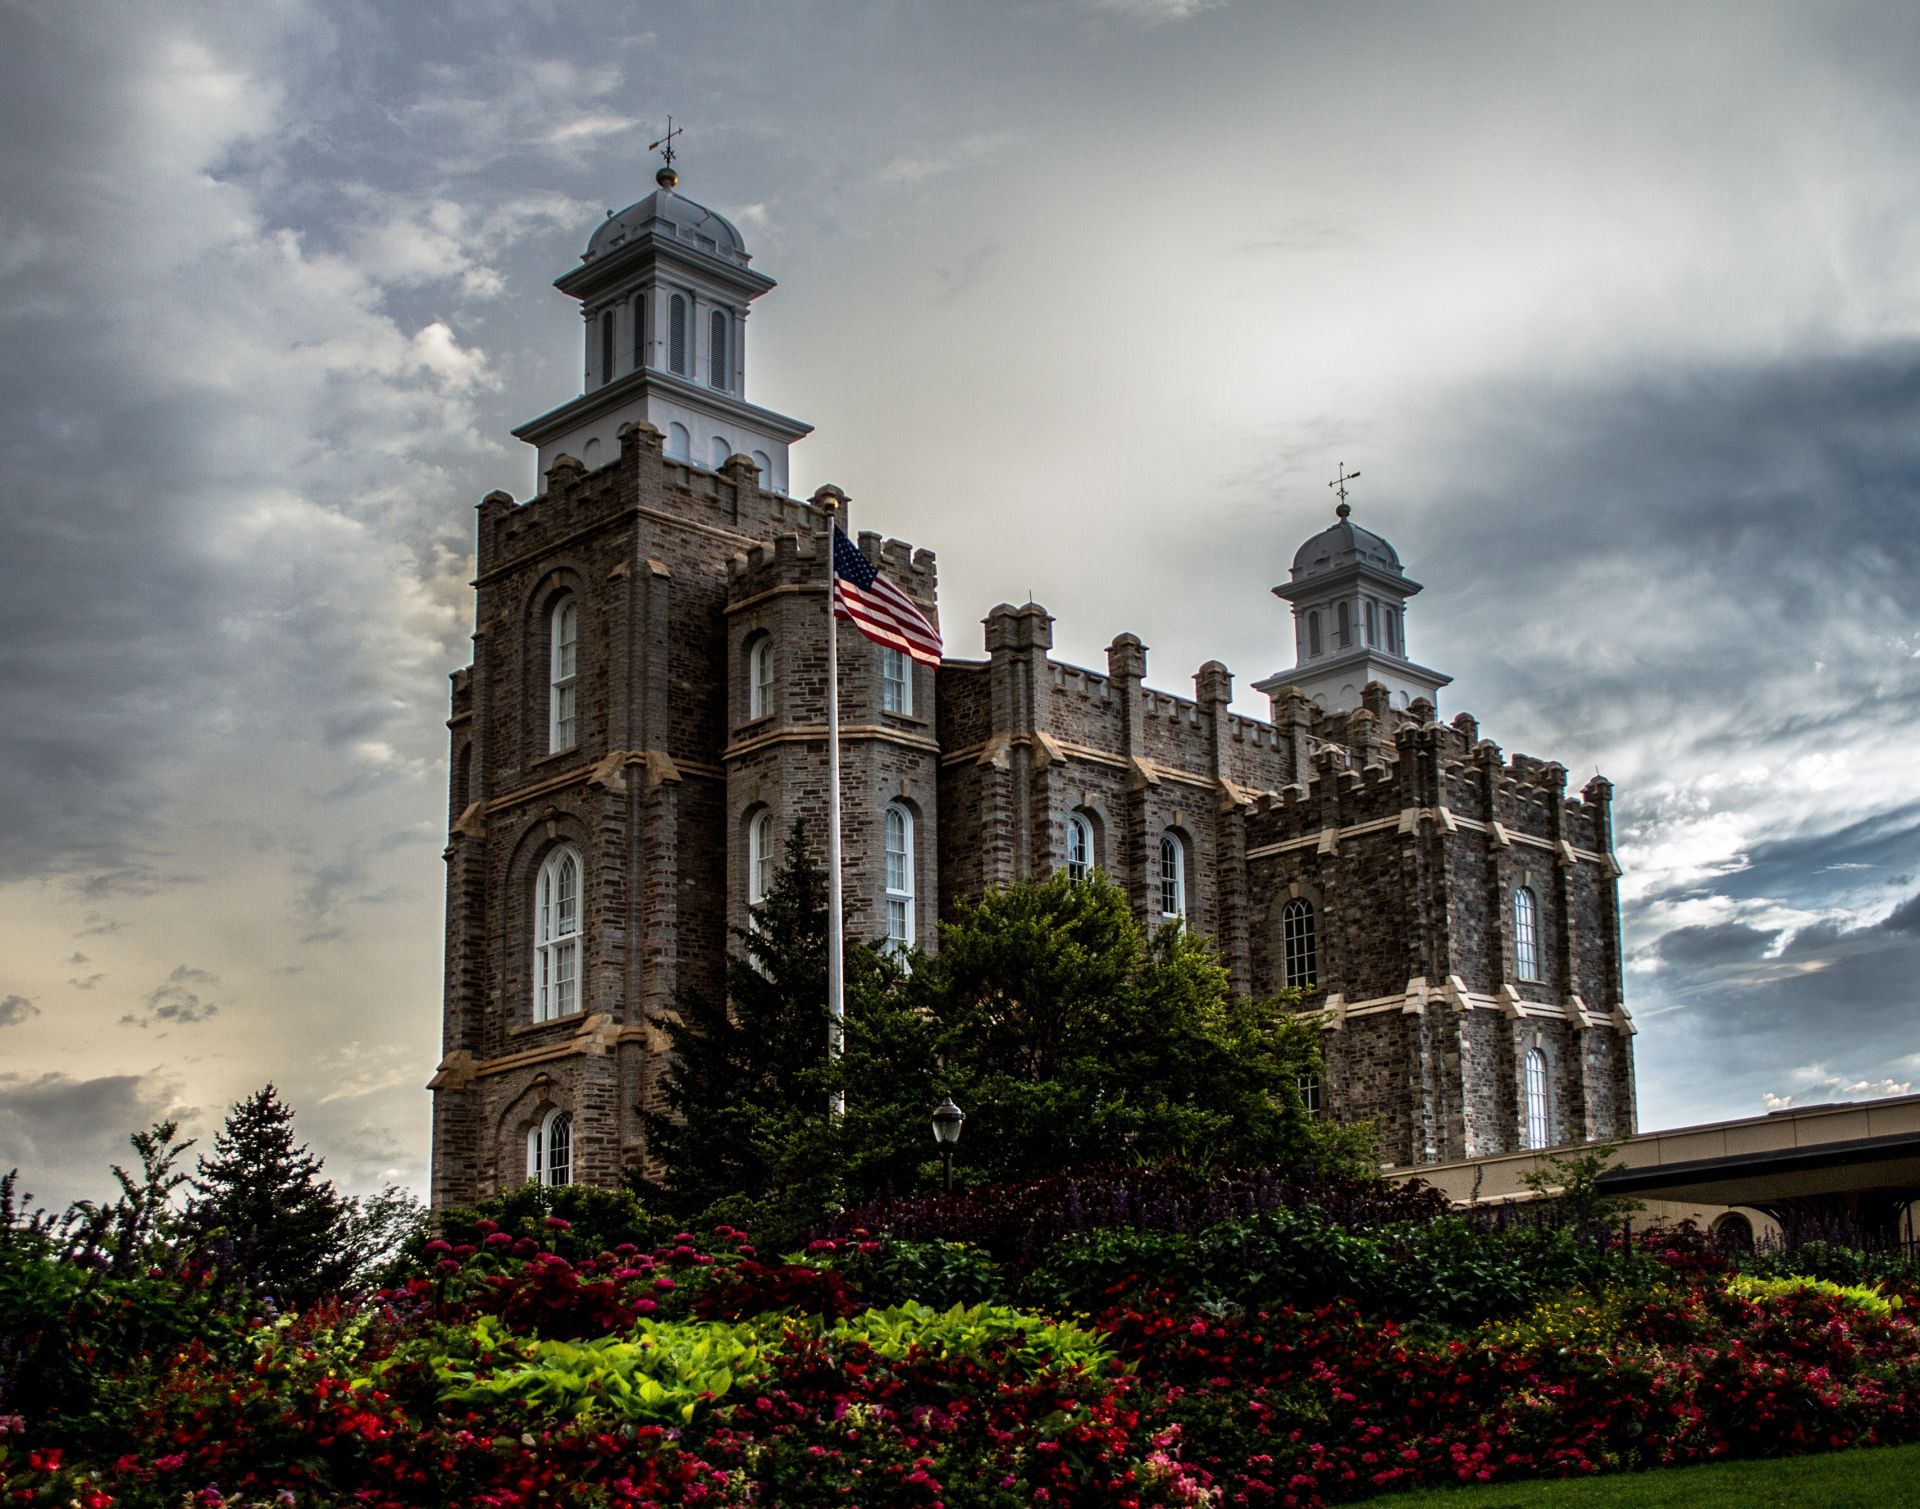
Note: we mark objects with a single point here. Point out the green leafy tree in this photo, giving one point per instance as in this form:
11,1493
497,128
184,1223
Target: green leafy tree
261,1210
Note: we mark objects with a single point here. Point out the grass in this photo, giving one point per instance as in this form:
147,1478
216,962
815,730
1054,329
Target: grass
1837,1480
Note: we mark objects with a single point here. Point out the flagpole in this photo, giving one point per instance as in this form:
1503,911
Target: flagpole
829,499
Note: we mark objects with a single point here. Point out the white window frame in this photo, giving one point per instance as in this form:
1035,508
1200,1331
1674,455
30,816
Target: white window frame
760,854
563,666
1526,934
1173,878
1079,846
896,681
1311,1098
1536,1097
558,934
1300,944
553,1131
897,851
760,677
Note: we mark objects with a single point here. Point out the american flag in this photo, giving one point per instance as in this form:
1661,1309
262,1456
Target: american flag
878,608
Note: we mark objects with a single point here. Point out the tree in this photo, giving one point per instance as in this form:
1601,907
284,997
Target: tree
744,1097
261,1210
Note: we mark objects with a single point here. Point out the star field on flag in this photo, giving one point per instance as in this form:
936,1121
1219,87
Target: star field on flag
877,607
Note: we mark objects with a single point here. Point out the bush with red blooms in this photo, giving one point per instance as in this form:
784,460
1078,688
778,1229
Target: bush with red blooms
516,1370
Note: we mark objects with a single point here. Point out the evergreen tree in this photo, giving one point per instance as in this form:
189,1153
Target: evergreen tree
746,1089
261,1210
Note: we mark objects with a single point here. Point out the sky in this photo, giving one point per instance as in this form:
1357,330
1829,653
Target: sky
1616,309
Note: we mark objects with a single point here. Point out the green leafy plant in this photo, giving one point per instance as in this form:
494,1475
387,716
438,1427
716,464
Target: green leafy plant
977,1332
1862,1296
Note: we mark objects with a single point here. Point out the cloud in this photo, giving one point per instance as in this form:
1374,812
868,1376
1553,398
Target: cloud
91,982
15,1010
64,1134
177,1000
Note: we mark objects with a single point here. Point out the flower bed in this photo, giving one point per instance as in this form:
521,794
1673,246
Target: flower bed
698,1372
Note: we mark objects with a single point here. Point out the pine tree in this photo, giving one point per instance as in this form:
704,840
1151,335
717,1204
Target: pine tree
261,1209
746,1087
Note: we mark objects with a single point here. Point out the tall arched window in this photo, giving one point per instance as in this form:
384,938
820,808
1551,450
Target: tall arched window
1393,631
679,442
899,844
677,334
550,1149
896,681
1343,622
719,373
1300,947
759,857
1079,846
1538,1120
640,353
1173,877
556,937
1313,633
1372,619
717,452
1526,935
606,347
1310,1097
563,731
760,677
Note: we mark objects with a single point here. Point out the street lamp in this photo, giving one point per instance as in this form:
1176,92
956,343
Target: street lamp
948,1118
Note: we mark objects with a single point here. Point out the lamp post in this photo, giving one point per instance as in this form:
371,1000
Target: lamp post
948,1118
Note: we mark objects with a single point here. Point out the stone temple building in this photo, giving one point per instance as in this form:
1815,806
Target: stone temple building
644,718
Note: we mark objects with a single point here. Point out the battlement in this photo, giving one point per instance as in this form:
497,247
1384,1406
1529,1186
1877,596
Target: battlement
799,560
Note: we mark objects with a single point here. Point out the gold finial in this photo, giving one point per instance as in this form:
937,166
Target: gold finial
667,177
1340,483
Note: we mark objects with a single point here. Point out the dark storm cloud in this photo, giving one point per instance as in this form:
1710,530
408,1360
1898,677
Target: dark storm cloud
1705,947
65,1134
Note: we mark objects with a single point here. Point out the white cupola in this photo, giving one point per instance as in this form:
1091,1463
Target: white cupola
1349,596
663,288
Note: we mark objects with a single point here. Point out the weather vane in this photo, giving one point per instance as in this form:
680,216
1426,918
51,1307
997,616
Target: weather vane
1339,483
668,176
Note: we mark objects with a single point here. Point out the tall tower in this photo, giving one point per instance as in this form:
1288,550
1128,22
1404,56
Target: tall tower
1349,595
663,288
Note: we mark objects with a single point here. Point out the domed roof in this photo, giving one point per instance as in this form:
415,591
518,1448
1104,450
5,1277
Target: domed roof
1342,545
672,217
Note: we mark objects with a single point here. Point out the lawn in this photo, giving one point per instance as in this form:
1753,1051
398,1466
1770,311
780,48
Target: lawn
1837,1480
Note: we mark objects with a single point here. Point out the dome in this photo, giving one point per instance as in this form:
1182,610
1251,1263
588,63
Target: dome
671,217
1343,545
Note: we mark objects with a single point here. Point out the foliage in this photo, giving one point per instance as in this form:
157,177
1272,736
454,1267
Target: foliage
890,1271
594,1219
978,1332
1871,1300
262,1211
1572,1181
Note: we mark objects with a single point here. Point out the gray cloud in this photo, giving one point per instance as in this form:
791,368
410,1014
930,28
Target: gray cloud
177,1000
15,1010
65,1134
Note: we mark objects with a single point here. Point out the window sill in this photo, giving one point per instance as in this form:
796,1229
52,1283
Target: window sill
909,720
753,725
553,756
572,1019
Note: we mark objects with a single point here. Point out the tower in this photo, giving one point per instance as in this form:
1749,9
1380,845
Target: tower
664,288
1349,596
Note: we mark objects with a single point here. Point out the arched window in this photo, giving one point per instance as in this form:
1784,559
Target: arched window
677,334
1393,631
1526,935
1343,622
679,442
1310,1099
1733,1232
606,347
899,844
763,463
550,1149
718,450
759,857
719,373
1313,633
1173,877
1079,846
563,730
1371,619
640,353
1538,1120
760,677
1299,944
896,681
556,937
